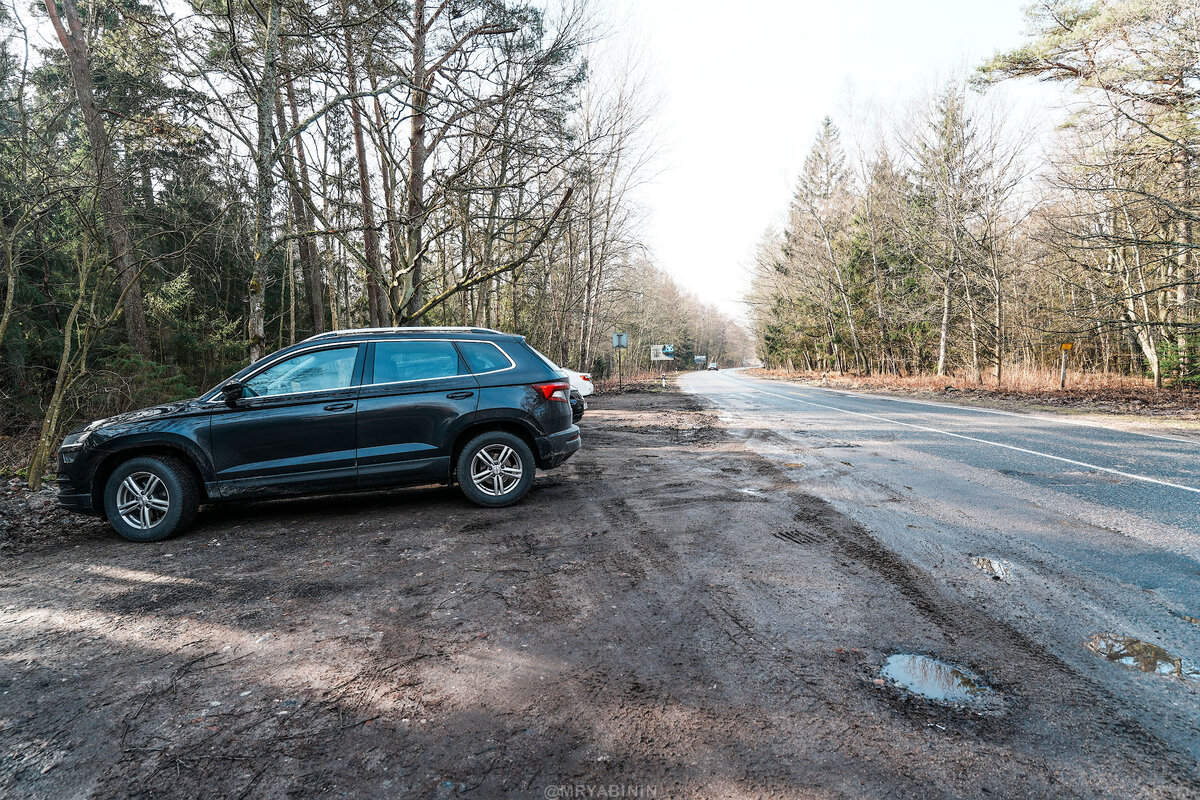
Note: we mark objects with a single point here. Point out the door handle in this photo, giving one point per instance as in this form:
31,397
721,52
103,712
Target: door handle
459,395
339,406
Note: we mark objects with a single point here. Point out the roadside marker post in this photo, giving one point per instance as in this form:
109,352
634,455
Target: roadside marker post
1062,375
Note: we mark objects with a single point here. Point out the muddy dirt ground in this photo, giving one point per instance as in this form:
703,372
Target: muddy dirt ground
666,614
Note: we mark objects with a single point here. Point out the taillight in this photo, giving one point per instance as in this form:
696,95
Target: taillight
587,378
558,390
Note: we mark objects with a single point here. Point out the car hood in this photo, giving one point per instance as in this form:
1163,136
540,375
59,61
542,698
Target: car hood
163,411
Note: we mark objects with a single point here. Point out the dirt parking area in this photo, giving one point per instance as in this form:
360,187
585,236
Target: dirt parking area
667,615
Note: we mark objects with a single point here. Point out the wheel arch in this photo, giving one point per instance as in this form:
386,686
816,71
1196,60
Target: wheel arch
180,451
487,426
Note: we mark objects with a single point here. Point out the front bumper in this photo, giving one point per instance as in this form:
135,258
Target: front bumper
558,447
70,498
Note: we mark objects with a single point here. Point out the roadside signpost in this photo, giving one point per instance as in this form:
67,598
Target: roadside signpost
1062,375
620,342
662,352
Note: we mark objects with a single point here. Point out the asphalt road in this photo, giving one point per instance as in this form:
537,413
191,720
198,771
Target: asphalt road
1099,527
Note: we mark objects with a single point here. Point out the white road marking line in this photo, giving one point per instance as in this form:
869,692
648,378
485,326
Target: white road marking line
926,428
935,404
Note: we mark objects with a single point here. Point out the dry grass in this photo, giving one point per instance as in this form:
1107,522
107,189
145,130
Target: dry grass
640,382
15,452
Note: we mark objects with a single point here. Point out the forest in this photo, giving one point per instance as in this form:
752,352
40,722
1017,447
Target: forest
947,240
186,186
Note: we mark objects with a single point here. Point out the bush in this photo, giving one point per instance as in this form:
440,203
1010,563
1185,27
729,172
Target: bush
126,380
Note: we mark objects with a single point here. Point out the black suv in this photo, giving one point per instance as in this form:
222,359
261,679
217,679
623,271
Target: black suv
345,410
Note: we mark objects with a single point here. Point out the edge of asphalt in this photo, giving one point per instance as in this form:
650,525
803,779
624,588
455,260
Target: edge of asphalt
1178,430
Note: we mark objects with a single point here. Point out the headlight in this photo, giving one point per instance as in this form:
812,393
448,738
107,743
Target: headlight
74,441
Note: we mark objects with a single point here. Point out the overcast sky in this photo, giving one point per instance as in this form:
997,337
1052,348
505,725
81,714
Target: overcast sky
744,86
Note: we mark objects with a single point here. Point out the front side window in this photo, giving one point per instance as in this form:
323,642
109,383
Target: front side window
416,360
321,370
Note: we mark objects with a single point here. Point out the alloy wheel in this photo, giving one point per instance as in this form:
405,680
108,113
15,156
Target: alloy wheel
496,470
143,500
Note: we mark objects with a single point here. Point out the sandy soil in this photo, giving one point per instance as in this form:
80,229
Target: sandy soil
666,614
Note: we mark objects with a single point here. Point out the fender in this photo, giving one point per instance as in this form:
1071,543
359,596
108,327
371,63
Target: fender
164,439
508,416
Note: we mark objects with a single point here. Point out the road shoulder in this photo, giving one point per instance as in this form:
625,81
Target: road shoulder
1181,420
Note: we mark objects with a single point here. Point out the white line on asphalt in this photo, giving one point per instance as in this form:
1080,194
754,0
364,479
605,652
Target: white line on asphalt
937,404
1109,470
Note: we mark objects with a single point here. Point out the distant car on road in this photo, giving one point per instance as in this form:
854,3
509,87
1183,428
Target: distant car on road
352,409
713,365
581,382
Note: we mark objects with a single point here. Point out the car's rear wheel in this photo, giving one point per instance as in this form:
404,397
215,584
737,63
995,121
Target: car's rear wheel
495,469
149,498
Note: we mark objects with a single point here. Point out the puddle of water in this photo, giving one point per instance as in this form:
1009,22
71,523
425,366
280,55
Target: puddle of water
997,569
1186,617
1136,654
933,679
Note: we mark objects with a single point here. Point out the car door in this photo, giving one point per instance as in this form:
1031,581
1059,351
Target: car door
416,395
293,430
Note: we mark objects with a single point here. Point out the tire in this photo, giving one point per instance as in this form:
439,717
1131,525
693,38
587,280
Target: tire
174,498
491,489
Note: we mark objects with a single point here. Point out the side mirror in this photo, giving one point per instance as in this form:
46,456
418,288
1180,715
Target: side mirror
232,392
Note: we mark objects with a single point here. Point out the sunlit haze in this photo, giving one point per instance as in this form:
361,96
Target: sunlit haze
744,86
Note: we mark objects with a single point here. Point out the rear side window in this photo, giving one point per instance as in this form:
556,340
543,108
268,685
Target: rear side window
415,360
546,360
484,356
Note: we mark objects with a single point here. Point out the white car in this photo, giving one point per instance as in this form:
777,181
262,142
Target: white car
581,382
713,365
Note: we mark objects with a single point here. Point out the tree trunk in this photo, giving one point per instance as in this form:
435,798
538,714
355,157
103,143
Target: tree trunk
8,243
64,377
415,256
945,331
305,250
108,188
310,262
976,374
264,161
998,322
388,178
370,234
1183,276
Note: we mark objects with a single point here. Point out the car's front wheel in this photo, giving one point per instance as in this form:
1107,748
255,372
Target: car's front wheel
149,498
495,469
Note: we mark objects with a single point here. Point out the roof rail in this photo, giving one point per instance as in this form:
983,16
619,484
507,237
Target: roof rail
414,329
